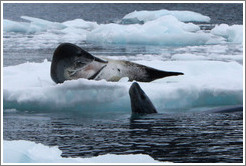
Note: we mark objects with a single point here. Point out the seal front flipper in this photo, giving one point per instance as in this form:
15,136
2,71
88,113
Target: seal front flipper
140,102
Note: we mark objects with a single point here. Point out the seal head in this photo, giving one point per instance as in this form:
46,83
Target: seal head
140,102
71,62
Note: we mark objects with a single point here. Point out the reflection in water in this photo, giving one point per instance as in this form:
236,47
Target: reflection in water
184,137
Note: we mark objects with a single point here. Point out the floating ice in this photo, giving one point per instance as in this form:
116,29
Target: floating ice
166,30
35,25
19,27
188,57
160,29
81,24
44,24
29,152
29,87
232,33
144,16
219,52
37,91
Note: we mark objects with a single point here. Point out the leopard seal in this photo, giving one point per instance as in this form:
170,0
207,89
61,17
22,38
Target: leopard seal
140,102
71,62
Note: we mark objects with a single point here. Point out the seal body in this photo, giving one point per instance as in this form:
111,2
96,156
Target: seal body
71,62
116,69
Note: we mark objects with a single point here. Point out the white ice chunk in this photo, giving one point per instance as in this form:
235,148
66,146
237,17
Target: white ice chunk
166,30
233,34
204,83
35,25
19,27
81,24
188,57
44,24
30,152
144,16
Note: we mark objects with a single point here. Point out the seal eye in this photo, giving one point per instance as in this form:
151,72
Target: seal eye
78,63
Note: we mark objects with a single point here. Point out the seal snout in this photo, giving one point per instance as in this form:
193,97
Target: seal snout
72,62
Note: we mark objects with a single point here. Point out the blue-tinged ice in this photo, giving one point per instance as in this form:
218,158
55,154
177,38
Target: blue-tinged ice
30,152
81,24
233,34
204,84
19,27
44,24
145,15
34,26
166,29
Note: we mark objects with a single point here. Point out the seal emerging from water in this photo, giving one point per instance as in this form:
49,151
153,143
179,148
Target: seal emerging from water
72,62
140,102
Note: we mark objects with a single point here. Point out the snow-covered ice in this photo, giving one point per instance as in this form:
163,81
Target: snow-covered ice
204,83
30,152
208,78
211,60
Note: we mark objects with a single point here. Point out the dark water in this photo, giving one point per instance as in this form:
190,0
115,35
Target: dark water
179,138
